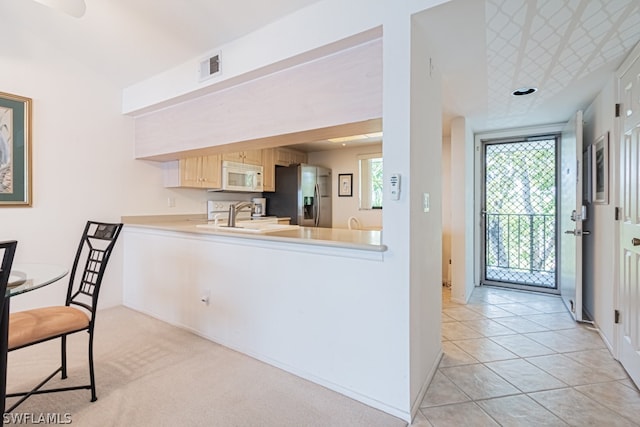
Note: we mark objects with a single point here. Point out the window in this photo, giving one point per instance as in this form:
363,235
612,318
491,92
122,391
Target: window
370,181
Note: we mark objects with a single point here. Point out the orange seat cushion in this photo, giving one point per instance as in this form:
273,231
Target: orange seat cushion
29,326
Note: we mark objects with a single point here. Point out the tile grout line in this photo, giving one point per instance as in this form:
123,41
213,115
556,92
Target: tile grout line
580,348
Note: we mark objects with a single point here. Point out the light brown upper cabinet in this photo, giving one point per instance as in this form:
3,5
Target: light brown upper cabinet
288,156
278,156
269,169
252,157
194,172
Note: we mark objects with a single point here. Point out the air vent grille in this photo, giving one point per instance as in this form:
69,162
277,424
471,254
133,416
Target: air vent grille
209,67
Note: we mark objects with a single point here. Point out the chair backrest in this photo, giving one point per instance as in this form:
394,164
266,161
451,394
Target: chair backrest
7,250
354,223
96,245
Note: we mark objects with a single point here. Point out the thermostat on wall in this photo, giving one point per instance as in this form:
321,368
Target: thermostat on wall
394,183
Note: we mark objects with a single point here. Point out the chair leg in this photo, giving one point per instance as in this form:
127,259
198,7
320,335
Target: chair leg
91,370
63,357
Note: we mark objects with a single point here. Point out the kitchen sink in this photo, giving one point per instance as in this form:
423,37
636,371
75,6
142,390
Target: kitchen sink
250,227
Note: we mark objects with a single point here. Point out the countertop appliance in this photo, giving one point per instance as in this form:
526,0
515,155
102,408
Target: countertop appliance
241,177
303,193
259,206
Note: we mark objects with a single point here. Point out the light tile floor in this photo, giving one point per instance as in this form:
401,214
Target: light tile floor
516,358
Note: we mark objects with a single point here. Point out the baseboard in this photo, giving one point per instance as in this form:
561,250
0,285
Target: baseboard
352,394
415,406
605,340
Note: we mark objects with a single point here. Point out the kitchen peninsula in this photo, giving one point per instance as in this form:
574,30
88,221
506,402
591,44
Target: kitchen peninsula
323,307
363,240
301,299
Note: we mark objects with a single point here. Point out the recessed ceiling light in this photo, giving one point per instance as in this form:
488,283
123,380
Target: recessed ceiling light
524,91
363,137
347,138
374,135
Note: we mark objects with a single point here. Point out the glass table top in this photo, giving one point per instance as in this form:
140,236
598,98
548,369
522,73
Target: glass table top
27,277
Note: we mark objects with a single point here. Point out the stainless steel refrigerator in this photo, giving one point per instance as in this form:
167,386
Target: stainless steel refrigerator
303,193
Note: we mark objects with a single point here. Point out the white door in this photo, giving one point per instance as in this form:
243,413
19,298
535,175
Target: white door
570,213
629,287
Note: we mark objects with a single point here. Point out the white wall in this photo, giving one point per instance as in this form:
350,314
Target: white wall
599,257
79,142
261,49
325,314
462,211
425,218
82,164
346,161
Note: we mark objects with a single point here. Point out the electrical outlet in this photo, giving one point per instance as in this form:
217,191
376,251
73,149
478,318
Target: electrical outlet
171,202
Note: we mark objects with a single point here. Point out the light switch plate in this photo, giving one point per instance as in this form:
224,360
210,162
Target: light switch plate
425,202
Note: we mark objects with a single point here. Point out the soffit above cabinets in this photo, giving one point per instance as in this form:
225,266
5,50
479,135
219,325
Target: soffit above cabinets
332,96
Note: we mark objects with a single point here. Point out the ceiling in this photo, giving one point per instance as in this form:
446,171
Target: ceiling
484,48
132,40
566,48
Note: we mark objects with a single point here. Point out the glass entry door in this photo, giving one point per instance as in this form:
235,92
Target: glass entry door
519,213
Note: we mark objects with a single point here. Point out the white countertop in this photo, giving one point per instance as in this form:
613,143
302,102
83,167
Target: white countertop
368,240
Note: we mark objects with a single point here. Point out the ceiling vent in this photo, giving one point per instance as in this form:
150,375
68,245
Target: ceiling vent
209,67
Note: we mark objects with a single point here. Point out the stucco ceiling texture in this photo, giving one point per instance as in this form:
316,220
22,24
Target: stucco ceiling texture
565,48
551,46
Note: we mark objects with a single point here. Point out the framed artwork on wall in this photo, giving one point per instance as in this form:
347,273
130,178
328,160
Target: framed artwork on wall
600,169
15,150
345,185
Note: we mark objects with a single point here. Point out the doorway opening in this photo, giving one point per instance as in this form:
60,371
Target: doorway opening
519,211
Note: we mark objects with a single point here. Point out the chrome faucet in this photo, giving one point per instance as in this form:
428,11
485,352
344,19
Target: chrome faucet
234,209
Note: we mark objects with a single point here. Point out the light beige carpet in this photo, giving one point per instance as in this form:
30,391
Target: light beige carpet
150,373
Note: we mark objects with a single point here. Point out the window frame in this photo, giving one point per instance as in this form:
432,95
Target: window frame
364,184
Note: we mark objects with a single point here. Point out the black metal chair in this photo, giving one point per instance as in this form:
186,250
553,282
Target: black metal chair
79,312
8,250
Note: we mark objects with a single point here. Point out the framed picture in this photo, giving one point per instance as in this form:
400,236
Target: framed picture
345,185
600,169
15,150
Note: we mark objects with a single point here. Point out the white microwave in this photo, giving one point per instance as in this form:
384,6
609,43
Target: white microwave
241,177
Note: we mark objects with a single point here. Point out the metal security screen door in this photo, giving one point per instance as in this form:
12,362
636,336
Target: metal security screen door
519,213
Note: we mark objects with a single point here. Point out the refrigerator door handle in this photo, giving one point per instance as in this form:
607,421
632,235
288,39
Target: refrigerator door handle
317,204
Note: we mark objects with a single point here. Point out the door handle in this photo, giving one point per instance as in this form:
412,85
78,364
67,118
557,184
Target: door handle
316,193
635,241
583,233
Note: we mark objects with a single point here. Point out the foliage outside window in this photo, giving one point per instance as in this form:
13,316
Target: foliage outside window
370,181
520,211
